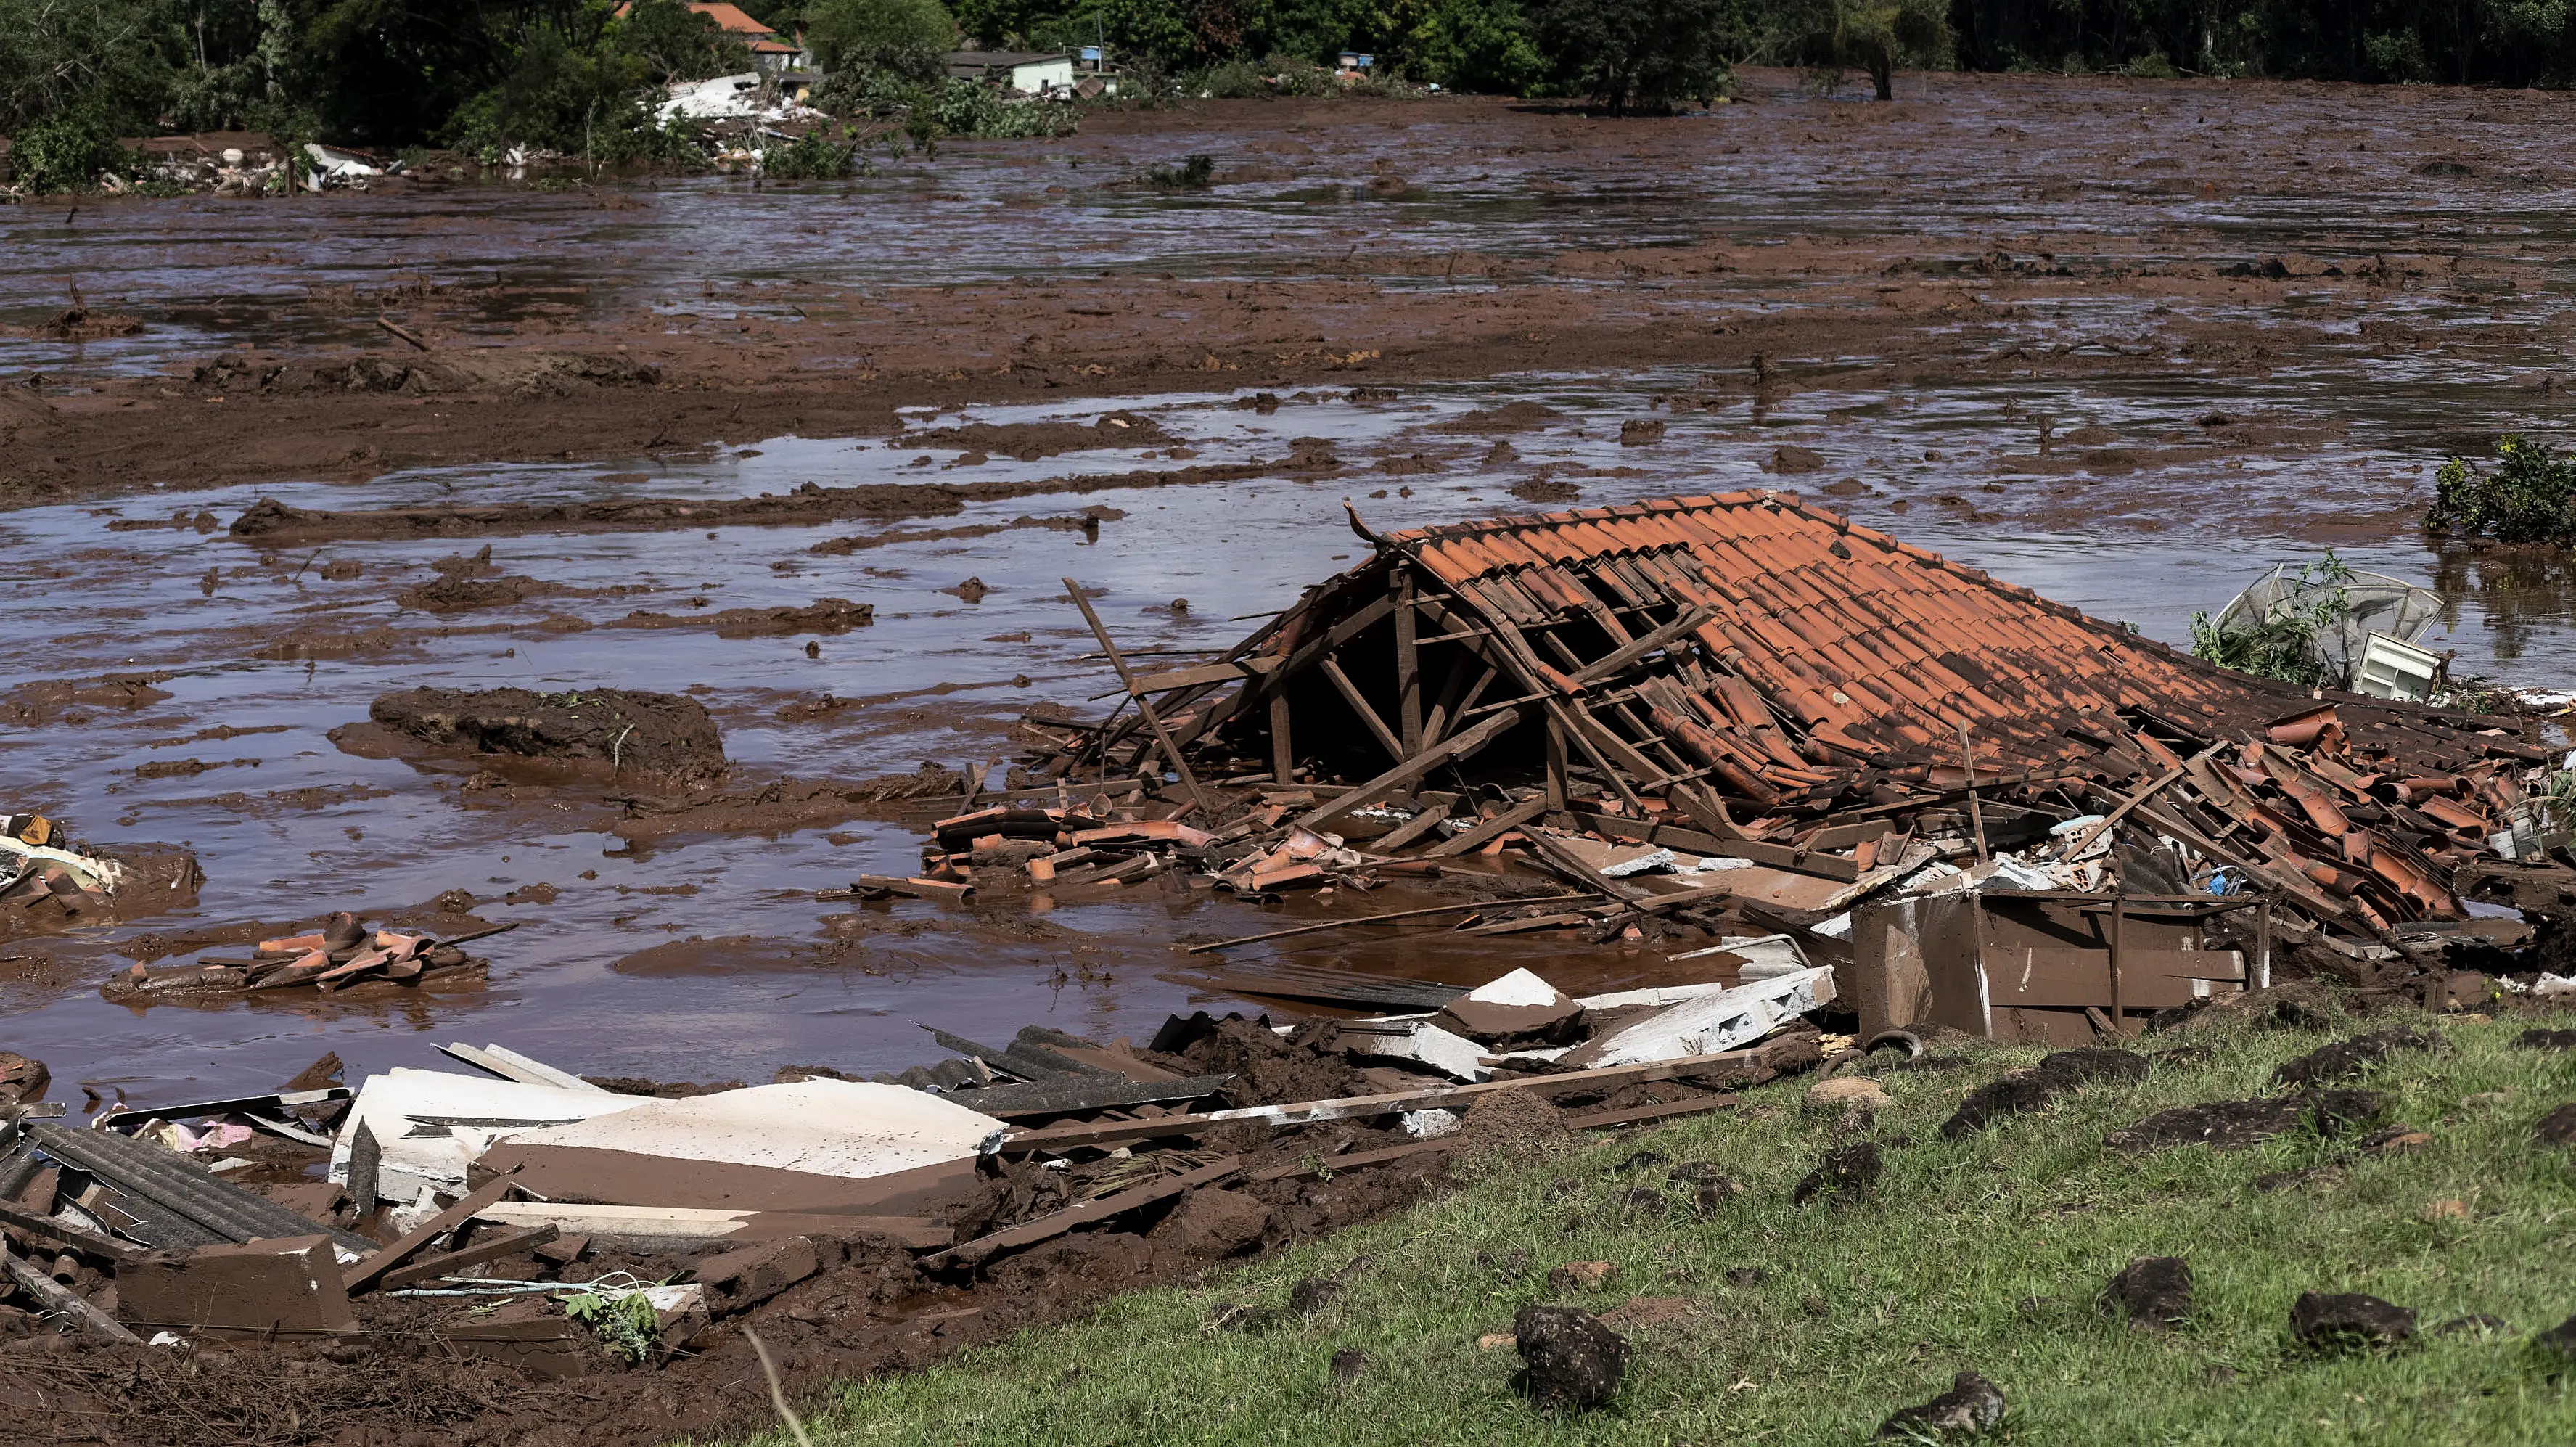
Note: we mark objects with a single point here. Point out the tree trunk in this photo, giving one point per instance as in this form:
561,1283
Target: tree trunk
1882,74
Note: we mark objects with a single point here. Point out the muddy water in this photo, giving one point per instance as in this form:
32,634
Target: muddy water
2135,497
706,957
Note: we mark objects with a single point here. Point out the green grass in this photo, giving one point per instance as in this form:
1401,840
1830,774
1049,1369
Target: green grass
1873,1304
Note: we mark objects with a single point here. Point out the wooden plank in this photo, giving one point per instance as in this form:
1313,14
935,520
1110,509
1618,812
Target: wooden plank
1408,664
1457,746
1203,674
60,1298
1283,755
62,1234
1492,829
1056,1223
1153,720
1619,658
511,1065
1313,1111
507,1243
1068,1097
1777,856
1359,703
364,1274
1333,924
1596,1120
1434,808
2070,979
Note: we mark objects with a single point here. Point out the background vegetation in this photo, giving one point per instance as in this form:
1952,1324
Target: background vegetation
571,75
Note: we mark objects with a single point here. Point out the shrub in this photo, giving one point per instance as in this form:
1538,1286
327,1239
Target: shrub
1640,55
1233,80
812,156
64,153
2282,643
1196,173
2529,496
847,32
973,108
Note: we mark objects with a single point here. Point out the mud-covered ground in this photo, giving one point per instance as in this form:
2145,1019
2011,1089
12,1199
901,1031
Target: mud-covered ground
820,457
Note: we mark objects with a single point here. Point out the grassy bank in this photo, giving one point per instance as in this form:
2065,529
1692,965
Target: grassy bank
1989,1253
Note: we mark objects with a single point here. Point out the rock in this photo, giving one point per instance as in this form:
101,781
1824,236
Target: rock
1851,1171
2558,1128
2153,1291
1212,1223
1972,1405
2347,1058
22,1078
2349,1321
1571,1361
2546,1040
1845,1094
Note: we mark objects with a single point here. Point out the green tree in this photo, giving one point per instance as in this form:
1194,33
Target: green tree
108,59
1475,45
1638,54
849,32
674,42
1875,36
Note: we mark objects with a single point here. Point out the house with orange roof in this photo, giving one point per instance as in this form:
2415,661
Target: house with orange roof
773,53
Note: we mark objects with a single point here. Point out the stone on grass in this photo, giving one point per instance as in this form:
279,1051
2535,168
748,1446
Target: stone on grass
2546,1040
1845,1094
2559,1340
2153,1291
1572,1363
2349,1321
1972,1405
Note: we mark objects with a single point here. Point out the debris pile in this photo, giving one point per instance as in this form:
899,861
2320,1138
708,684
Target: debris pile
1741,714
39,878
342,954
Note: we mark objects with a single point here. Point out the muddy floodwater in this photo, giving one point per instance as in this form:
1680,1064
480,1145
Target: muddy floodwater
2127,344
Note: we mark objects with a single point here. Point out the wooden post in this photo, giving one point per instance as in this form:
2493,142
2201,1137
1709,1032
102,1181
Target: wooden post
1408,665
1153,720
2263,944
1555,765
2119,918
1976,813
1283,759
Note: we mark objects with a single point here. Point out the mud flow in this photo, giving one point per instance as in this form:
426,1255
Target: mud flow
2034,326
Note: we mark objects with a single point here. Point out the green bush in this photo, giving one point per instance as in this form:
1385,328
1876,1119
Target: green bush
2282,644
2529,496
64,153
812,156
1195,173
1637,55
972,108
1232,80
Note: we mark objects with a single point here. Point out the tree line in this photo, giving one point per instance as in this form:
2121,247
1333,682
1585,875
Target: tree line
572,74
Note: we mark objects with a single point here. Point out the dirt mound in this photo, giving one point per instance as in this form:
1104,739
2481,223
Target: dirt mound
1268,1068
46,701
660,733
451,594
823,615
1506,1127
1029,441
2347,1058
2228,1124
1510,417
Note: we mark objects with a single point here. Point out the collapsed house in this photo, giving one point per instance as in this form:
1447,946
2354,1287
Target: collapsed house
1814,720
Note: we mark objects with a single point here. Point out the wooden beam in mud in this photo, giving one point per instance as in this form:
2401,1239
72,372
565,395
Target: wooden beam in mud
1408,665
1312,1112
1410,771
1145,707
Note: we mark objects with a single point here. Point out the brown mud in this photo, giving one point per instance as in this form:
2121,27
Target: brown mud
1956,234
